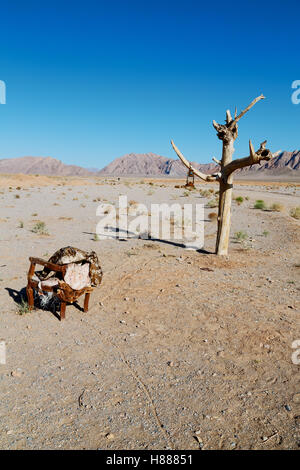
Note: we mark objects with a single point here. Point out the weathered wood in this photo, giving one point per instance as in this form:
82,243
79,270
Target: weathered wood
63,291
86,302
228,132
62,311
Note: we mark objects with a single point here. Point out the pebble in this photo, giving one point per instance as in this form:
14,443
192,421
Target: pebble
109,436
296,398
15,373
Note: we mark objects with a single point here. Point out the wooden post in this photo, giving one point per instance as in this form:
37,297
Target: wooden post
86,302
62,310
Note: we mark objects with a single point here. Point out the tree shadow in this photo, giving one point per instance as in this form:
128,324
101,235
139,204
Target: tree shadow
134,236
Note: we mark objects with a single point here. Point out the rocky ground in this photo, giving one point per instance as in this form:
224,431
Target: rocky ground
180,349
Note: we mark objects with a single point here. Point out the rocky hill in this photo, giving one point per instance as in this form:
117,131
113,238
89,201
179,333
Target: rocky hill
41,166
146,164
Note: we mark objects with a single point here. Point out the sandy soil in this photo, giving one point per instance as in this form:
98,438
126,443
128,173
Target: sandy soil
179,349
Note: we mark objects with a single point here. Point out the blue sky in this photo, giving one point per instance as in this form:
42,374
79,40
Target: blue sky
90,81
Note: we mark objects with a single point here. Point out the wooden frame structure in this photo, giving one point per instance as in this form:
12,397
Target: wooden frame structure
64,292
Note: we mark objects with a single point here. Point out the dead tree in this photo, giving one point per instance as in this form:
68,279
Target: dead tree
228,132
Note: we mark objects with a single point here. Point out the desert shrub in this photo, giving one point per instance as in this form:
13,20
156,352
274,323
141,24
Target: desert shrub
40,228
17,196
212,203
276,207
186,193
265,233
96,237
23,307
239,200
21,224
212,215
295,212
241,236
260,204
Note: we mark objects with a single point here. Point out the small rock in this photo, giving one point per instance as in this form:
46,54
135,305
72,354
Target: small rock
15,373
109,436
170,363
287,407
296,398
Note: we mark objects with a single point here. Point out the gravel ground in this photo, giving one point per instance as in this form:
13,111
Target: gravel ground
179,349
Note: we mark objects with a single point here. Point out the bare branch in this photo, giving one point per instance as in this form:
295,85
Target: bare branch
188,165
228,116
236,119
254,157
218,162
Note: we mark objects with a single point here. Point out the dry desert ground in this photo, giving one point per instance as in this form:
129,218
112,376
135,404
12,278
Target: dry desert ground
180,349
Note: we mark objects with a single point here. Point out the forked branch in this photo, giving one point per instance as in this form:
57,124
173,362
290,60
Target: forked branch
236,119
254,157
198,173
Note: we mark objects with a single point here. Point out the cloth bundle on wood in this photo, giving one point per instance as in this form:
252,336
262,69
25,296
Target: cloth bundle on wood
82,270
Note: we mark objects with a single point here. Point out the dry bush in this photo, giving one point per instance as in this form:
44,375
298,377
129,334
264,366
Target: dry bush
212,203
295,212
260,204
276,207
213,216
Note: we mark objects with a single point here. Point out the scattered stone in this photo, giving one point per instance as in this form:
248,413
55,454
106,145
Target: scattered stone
109,436
15,373
287,407
296,398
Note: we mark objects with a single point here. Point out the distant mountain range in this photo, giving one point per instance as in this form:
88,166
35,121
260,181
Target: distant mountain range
146,164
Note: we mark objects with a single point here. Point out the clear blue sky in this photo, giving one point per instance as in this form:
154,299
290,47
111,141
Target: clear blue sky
90,81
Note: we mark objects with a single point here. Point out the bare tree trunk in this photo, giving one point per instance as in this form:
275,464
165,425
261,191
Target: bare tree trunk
228,137
228,133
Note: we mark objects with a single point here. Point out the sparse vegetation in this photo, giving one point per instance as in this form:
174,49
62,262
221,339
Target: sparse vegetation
295,212
260,204
40,228
23,307
276,207
265,233
212,203
213,216
21,224
240,236
239,200
96,237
